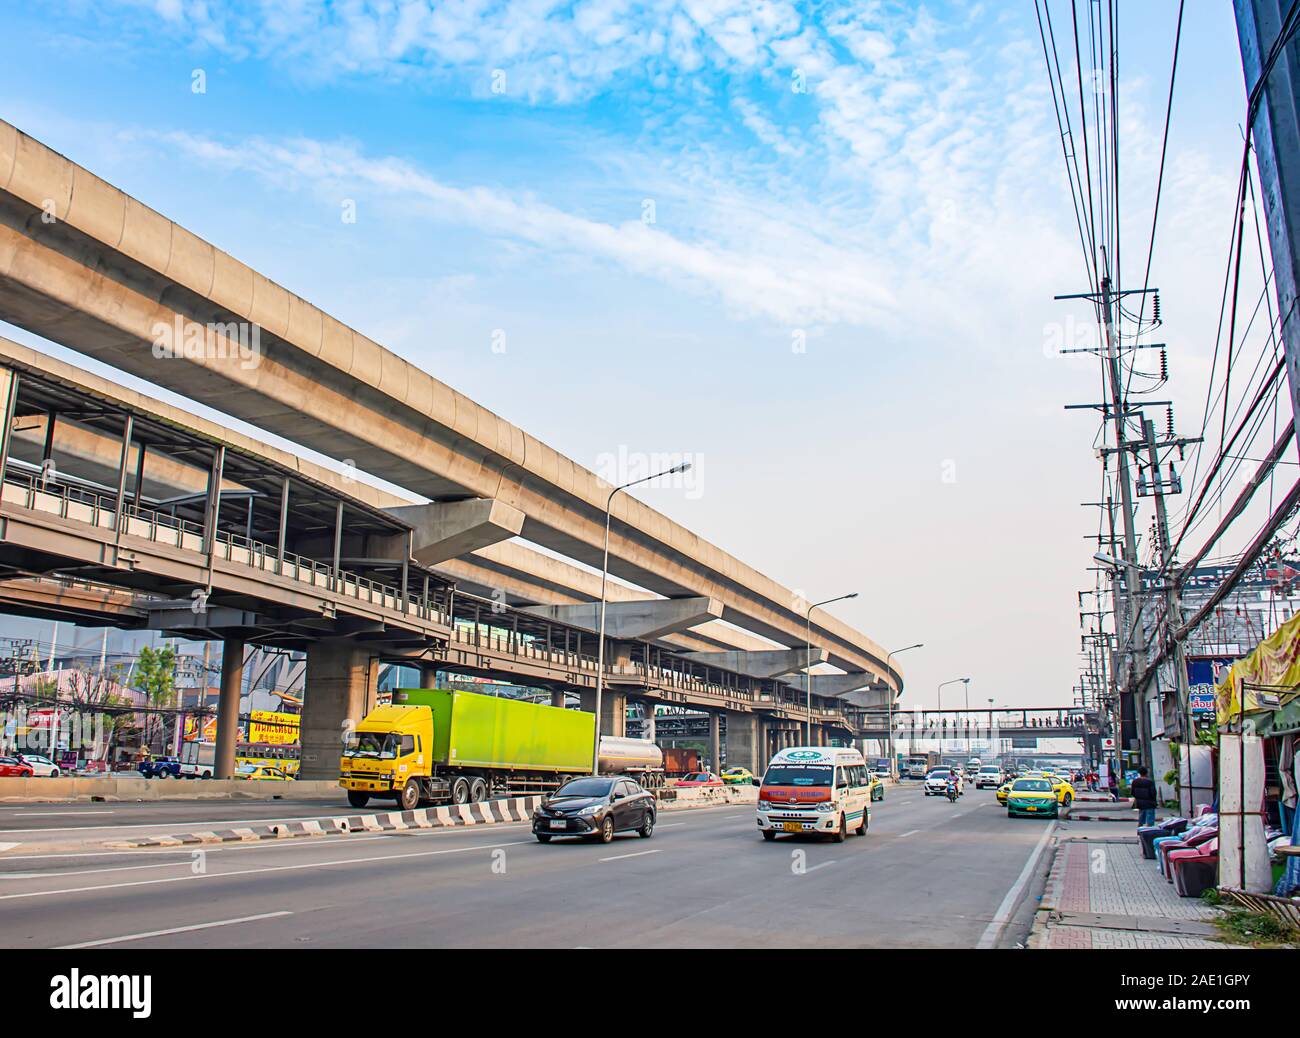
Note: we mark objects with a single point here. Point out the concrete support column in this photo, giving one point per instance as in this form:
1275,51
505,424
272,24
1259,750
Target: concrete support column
648,728
742,741
715,740
232,680
613,710
340,688
557,698
428,676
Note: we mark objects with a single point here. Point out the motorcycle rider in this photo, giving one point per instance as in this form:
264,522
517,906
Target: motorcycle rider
952,786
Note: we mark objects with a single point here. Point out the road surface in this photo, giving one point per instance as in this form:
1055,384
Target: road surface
928,874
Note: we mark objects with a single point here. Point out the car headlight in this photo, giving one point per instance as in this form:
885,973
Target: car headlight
765,805
825,805
588,812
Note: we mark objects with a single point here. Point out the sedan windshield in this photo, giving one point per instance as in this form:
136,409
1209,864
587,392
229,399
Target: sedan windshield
1032,786
796,775
941,773
585,787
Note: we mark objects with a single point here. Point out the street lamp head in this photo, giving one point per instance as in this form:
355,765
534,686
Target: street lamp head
683,467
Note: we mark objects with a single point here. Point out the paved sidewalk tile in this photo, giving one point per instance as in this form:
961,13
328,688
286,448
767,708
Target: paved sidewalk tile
1112,878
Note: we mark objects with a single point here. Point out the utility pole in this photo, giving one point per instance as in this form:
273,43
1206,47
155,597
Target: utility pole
1134,630
1173,604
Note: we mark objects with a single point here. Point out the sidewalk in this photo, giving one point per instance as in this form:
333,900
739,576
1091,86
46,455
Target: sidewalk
1101,893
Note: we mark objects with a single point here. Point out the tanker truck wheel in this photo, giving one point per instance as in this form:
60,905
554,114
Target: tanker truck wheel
358,800
460,791
409,799
478,791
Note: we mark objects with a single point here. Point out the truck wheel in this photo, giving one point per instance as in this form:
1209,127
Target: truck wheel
358,800
478,791
769,835
409,798
460,791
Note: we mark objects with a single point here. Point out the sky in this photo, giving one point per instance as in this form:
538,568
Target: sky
813,247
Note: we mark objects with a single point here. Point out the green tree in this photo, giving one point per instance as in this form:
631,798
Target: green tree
155,676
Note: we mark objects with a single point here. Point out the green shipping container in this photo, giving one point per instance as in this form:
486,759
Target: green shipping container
472,730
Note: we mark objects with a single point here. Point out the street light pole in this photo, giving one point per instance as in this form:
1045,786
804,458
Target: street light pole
604,577
893,768
808,660
938,696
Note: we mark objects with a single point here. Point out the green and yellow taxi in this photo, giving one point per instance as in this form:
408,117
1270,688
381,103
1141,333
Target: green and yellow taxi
737,776
1032,797
1003,790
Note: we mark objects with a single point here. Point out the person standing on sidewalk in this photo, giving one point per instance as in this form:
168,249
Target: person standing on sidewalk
1144,798
1112,783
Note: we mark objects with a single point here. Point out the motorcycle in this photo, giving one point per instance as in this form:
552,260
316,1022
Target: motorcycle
952,792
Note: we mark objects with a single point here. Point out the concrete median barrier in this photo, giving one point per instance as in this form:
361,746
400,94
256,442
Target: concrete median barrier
489,812
57,790
706,796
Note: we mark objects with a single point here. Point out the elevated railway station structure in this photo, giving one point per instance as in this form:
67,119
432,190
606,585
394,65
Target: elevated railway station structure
119,508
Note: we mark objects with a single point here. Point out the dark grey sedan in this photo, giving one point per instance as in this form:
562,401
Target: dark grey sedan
596,808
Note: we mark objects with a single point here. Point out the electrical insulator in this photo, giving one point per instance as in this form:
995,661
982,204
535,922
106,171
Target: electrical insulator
1164,366
1169,411
1155,308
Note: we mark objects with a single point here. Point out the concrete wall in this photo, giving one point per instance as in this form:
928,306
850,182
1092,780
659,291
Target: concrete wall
42,790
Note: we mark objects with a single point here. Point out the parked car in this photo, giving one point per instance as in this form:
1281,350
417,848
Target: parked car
738,776
42,767
698,778
161,767
596,807
12,767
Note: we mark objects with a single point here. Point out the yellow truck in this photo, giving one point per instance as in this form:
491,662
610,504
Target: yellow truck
448,746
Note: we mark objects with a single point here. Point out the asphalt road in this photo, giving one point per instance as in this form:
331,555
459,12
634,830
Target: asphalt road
928,874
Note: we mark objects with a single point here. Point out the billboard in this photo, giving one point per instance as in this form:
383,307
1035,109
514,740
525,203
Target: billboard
1203,673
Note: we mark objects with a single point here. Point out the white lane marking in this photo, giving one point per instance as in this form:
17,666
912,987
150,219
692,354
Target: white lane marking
821,866
910,832
637,854
212,848
1008,906
177,929
668,825
39,814
258,871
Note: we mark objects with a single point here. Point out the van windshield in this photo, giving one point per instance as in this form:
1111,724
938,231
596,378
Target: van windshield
798,775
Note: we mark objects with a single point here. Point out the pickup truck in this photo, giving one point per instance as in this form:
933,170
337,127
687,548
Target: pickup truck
161,767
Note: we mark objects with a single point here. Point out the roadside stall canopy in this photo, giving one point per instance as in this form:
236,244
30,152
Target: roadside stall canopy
1265,680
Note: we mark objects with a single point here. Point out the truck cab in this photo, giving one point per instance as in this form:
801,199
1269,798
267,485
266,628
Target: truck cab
385,752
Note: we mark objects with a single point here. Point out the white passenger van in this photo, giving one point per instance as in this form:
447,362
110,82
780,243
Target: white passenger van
815,789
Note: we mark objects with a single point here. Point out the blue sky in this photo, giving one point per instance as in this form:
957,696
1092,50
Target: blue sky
879,181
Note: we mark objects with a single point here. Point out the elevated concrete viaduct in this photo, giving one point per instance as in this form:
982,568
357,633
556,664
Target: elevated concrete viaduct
115,280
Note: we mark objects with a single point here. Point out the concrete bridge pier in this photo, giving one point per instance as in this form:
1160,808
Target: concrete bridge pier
428,676
232,680
341,679
715,740
613,709
743,741
648,728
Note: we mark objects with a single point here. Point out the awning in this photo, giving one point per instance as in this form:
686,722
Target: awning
1265,679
